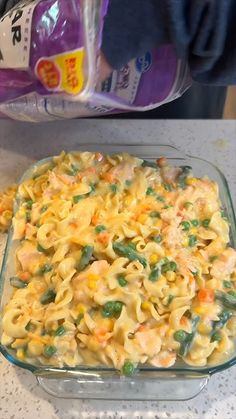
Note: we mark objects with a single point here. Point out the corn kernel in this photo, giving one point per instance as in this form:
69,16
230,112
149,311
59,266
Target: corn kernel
128,200
170,276
93,277
81,308
194,230
191,180
142,218
199,310
153,259
20,353
158,223
92,284
146,305
185,242
204,328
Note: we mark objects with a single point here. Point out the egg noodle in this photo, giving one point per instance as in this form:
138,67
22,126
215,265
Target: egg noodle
120,262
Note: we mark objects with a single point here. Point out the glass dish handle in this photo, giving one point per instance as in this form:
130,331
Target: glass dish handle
145,385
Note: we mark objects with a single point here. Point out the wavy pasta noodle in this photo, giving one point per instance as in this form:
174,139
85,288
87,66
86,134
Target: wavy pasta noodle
119,262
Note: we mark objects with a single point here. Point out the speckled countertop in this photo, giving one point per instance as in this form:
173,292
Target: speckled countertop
20,144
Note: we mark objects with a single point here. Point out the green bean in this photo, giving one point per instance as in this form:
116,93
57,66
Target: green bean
29,203
17,283
154,275
77,198
185,345
45,269
228,301
227,284
99,228
128,252
60,331
224,316
79,318
86,256
49,351
48,297
147,163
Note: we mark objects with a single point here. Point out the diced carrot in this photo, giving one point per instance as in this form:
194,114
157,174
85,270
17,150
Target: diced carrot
103,238
24,276
73,224
183,321
99,156
108,177
94,220
161,162
206,295
165,362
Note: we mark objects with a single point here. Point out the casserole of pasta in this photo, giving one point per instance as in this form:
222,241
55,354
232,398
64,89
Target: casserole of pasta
120,262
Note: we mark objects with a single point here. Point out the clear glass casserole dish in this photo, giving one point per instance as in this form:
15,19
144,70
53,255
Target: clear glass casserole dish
180,382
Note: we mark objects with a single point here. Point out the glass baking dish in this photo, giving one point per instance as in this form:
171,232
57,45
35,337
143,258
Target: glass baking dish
179,382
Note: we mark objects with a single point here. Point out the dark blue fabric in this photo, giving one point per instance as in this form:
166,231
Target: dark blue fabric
202,31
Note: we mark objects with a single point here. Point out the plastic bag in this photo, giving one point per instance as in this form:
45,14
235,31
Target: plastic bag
49,65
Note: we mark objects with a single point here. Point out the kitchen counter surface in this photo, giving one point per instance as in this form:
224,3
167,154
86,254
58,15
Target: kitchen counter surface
21,144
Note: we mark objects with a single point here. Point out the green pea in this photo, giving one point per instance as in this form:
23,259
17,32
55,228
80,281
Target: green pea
132,245
187,205
160,198
108,309
167,206
49,351
128,183
195,222
79,318
29,204
157,239
180,335
117,307
216,337
227,284
122,281
195,273
48,297
77,198
99,228
17,283
206,222
213,258
45,269
155,214
44,209
233,293
150,191
186,225
114,188
192,241
60,331
168,187
128,368
154,275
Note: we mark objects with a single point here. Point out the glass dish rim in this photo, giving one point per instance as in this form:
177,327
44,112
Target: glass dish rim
183,369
